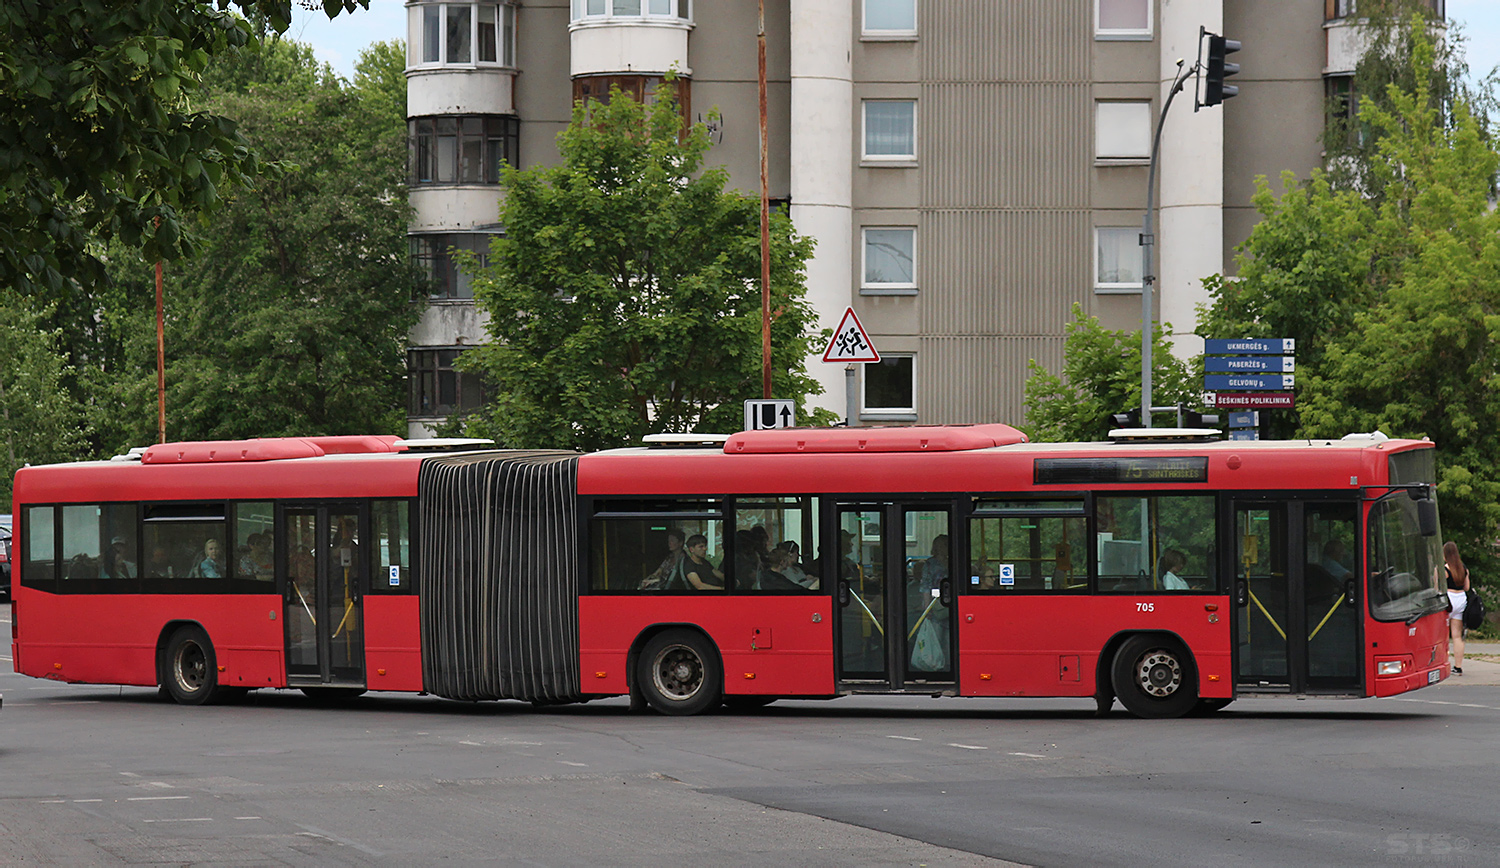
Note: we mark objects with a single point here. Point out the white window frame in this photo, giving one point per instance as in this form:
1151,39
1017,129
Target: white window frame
505,36
1123,33
877,33
1144,156
677,10
1102,288
892,414
866,287
864,135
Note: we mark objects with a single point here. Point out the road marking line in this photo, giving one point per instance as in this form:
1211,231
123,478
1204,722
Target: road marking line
904,737
1032,755
156,798
81,801
472,743
577,765
182,820
967,746
54,801
162,785
130,774
247,818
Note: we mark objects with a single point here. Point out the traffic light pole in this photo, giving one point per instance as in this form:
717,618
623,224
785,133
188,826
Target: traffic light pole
1148,242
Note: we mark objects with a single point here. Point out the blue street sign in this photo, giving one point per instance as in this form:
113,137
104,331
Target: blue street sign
1244,419
1250,346
1233,382
1249,364
1244,434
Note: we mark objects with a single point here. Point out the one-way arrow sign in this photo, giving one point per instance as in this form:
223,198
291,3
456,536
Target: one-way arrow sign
761,414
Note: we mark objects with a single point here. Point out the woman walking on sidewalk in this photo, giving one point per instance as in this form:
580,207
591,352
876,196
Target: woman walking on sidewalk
1458,596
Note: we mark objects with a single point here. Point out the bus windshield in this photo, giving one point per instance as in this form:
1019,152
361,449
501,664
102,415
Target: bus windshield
1405,567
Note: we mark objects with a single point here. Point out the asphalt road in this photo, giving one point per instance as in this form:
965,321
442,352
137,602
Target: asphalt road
99,775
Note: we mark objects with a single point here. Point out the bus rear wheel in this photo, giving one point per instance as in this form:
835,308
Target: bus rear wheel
192,672
1154,677
679,673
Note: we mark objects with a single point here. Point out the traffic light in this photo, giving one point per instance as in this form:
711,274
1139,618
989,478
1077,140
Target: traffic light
1127,419
1193,419
1217,69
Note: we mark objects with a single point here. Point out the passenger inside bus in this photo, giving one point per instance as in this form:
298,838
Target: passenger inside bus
117,562
1172,562
210,564
701,574
668,574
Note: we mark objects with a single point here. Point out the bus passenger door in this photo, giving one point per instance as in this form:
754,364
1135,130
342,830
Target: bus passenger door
895,596
1298,603
323,562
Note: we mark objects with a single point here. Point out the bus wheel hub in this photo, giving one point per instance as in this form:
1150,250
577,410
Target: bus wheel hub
1160,674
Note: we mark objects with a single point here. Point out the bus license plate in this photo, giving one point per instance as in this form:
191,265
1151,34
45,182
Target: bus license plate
1432,676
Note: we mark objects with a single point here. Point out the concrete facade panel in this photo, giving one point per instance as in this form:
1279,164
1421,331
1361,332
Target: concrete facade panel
647,47
453,208
448,92
446,324
979,379
1002,273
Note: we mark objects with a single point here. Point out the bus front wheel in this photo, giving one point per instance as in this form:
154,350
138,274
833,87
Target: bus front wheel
192,673
679,673
1155,677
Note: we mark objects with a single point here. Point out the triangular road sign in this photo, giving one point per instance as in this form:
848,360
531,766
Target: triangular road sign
850,343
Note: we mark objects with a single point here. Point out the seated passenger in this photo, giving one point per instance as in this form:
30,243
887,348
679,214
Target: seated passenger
1334,555
211,564
793,569
117,564
775,576
699,571
1173,560
668,574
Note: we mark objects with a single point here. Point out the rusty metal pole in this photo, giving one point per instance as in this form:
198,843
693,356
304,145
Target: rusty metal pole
765,220
161,360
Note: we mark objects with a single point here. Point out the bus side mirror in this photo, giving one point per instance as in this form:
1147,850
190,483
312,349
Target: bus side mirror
1427,518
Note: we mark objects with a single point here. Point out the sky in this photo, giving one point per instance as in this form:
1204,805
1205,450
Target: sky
338,42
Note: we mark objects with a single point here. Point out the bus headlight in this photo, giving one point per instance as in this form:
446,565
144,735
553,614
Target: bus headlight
1388,667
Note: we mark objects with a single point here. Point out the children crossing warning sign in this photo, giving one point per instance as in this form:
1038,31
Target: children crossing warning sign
850,343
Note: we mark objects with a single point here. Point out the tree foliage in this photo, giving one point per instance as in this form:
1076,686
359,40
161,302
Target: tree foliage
38,421
1101,375
100,136
624,298
292,318
1394,299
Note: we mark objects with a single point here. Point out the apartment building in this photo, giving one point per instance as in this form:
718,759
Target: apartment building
971,169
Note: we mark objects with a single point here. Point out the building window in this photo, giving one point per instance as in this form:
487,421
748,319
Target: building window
462,34
890,258
890,130
461,149
641,88
627,10
1122,130
1343,111
1122,19
433,254
890,17
439,390
1117,259
890,386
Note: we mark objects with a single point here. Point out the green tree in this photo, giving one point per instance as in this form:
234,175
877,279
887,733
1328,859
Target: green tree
1101,375
624,298
1421,361
1394,299
99,135
38,420
1393,31
293,317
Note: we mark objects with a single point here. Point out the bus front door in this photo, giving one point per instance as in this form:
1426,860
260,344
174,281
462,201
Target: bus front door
323,561
895,596
1298,624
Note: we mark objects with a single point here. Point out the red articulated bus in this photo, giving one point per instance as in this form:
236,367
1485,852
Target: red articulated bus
1173,574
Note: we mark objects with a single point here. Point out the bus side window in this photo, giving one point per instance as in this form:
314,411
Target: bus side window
40,569
392,524
1155,543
